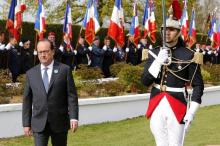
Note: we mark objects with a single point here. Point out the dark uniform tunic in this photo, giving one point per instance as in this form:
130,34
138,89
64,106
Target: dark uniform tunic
68,56
190,71
107,62
97,56
133,55
3,58
82,55
27,59
119,55
14,62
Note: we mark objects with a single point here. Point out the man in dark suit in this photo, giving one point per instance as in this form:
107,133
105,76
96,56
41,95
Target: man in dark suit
50,102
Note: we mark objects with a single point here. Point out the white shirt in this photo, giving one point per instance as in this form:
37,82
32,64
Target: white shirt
49,70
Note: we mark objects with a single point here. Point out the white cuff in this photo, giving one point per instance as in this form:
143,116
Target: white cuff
75,52
35,52
154,69
61,48
2,47
8,46
73,120
21,44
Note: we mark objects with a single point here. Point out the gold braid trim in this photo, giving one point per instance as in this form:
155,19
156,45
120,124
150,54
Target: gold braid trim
193,75
178,76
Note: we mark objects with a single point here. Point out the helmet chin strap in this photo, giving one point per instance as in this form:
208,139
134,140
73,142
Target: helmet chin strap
174,41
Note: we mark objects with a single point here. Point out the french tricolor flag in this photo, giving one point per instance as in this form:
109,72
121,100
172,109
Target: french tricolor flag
218,35
116,28
134,30
185,23
152,24
146,19
90,22
40,22
192,30
19,9
214,33
67,26
14,22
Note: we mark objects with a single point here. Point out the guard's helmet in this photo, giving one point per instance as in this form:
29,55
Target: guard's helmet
172,23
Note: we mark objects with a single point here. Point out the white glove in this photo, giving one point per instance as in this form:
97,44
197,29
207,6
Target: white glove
139,46
2,47
8,46
90,48
61,48
75,52
35,52
21,44
115,49
127,50
104,48
203,52
155,67
150,47
190,114
162,56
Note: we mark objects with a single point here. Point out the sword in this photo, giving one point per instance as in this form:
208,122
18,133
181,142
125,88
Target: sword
168,62
187,123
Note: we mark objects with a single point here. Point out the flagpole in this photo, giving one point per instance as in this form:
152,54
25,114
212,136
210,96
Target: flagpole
35,47
77,43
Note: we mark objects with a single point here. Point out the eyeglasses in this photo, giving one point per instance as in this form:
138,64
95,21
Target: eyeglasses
43,52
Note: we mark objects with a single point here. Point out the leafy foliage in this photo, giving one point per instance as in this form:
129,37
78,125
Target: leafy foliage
116,67
130,76
89,73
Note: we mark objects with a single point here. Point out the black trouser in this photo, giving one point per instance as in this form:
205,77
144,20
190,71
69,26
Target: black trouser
57,139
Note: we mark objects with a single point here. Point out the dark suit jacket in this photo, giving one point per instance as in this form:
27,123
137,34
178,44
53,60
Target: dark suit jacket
57,106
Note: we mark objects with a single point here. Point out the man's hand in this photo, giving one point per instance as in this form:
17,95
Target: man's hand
74,125
188,119
27,131
190,114
162,56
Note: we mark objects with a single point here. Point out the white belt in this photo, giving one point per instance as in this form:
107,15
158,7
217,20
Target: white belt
170,89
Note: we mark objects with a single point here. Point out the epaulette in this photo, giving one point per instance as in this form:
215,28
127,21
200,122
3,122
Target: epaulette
198,58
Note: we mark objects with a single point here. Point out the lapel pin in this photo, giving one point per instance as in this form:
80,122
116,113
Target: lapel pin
55,71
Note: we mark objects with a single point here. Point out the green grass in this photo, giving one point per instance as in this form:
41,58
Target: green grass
135,132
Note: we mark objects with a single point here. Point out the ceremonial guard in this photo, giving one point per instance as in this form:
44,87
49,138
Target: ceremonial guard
132,52
97,54
82,56
27,56
170,68
3,52
58,54
119,53
14,58
68,53
108,57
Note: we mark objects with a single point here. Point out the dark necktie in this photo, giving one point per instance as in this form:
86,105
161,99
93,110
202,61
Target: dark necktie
46,79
